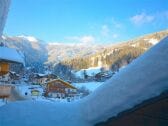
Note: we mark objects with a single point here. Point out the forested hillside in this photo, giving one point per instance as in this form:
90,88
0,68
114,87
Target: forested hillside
118,55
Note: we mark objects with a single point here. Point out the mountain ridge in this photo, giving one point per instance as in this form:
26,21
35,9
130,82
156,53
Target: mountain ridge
39,53
118,55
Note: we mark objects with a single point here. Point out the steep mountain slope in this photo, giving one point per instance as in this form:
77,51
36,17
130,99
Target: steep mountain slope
38,52
118,55
33,49
58,52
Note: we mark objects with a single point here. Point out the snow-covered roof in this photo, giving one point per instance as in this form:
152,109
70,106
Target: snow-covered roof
63,82
40,75
10,55
144,78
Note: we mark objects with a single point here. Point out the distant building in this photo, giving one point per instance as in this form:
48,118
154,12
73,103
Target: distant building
10,77
9,55
102,76
38,78
60,89
14,76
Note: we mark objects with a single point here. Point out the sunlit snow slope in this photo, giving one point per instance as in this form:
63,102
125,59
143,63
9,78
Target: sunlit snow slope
144,78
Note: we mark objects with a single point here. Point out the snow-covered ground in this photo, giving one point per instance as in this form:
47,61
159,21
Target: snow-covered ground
91,86
25,90
153,41
90,71
144,78
2,102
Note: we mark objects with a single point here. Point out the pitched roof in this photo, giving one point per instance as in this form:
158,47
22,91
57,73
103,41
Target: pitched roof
65,83
10,55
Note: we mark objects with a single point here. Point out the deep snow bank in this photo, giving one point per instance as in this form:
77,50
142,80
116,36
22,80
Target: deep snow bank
91,86
33,113
144,78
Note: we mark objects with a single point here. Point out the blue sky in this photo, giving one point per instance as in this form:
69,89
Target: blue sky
99,21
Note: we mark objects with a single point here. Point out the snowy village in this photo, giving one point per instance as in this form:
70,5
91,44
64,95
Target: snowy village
90,64
36,86
28,85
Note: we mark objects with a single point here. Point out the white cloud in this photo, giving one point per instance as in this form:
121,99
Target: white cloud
157,19
142,18
82,39
87,39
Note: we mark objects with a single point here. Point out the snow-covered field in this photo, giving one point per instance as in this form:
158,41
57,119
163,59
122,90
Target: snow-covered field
90,72
25,90
144,78
91,86
153,41
2,102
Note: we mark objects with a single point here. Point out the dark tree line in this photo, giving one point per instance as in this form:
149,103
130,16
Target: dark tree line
116,59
